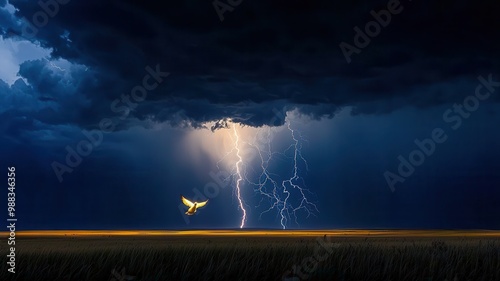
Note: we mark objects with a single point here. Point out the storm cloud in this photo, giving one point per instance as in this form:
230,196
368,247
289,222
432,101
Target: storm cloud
263,58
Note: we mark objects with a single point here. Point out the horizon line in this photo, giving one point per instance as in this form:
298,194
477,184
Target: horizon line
264,232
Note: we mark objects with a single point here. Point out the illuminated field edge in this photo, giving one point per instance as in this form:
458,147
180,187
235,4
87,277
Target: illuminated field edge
265,233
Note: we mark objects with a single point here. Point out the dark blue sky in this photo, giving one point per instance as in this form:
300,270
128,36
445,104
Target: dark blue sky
160,76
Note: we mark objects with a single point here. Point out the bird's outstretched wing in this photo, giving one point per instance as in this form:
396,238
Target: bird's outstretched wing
187,202
201,204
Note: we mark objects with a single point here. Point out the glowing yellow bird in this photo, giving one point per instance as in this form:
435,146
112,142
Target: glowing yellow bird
192,206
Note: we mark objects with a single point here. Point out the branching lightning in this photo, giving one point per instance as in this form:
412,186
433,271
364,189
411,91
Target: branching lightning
279,195
287,195
305,204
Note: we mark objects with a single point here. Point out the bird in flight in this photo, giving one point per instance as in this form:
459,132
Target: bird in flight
192,206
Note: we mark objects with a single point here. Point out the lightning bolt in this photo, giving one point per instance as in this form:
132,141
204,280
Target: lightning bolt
240,178
266,177
305,204
287,196
279,194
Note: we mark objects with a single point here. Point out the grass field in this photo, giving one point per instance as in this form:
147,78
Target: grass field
255,255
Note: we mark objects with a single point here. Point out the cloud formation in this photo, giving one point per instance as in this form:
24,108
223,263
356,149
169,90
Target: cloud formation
264,57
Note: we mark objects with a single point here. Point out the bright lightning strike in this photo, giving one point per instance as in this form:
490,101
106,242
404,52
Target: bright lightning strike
240,178
279,195
305,204
287,195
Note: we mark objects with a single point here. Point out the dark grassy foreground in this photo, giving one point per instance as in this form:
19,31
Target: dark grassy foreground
253,258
